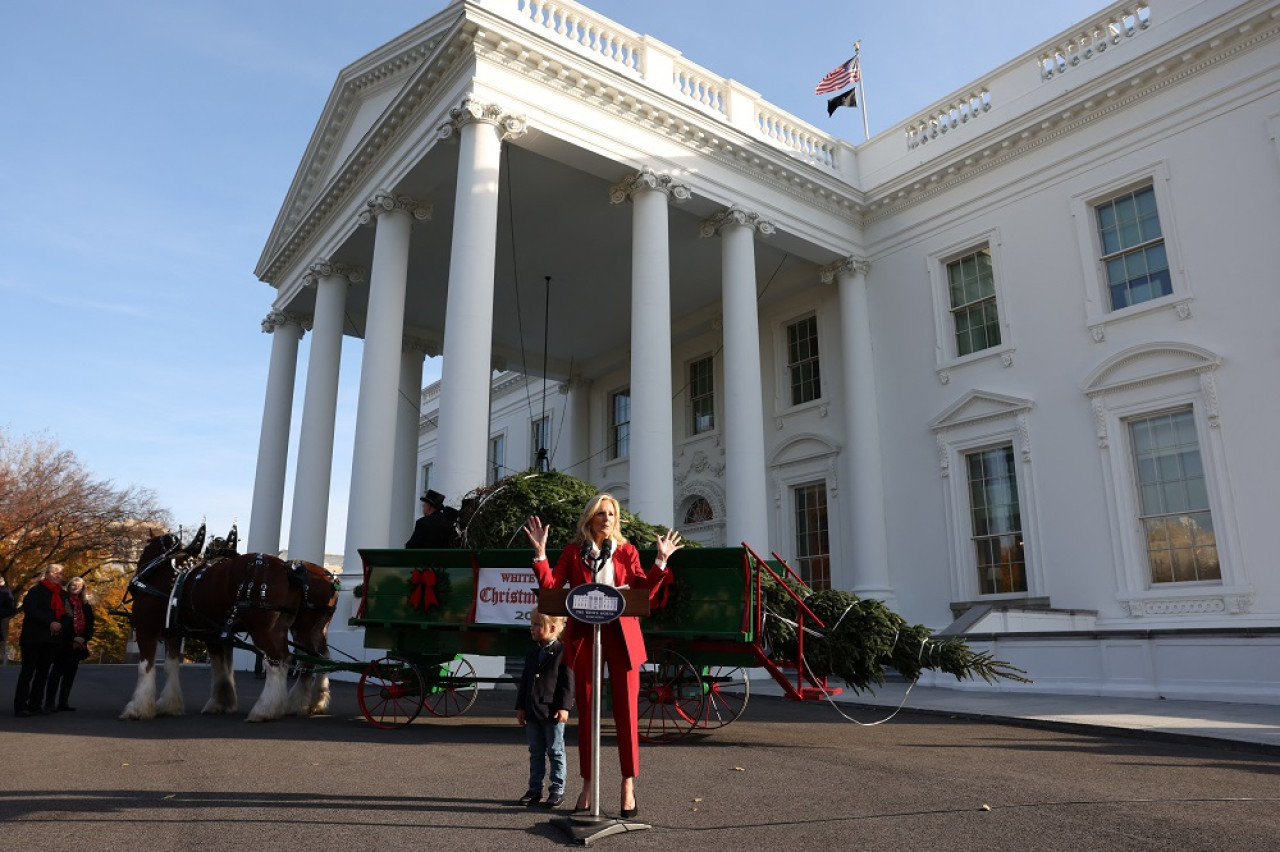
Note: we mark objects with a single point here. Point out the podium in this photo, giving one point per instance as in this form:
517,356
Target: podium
584,828
553,601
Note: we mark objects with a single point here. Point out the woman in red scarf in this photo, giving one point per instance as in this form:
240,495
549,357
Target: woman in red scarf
44,619
73,648
600,554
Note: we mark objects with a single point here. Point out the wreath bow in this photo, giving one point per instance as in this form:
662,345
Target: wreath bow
422,589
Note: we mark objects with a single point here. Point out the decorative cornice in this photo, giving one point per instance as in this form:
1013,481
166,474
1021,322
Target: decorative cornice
473,111
735,215
387,202
1060,118
648,180
847,266
782,168
326,268
279,319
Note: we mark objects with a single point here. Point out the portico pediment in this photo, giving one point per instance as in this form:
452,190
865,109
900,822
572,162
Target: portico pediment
373,99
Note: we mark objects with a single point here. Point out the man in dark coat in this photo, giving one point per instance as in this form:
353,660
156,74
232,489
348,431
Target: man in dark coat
433,529
45,617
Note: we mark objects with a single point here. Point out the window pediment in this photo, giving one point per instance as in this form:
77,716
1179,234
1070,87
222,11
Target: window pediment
1147,363
977,406
802,448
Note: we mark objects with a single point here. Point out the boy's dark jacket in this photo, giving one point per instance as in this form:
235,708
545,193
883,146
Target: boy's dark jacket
547,686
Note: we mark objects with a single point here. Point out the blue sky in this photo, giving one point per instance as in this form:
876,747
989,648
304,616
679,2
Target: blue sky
148,145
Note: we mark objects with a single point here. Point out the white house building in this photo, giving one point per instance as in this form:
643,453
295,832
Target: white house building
1010,367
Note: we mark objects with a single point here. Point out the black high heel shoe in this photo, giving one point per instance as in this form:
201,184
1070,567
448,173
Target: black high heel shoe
630,813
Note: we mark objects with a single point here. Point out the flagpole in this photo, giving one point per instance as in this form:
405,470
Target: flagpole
862,93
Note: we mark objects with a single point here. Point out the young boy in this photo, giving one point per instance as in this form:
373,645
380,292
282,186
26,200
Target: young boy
542,706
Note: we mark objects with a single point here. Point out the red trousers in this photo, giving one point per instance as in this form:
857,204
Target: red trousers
624,691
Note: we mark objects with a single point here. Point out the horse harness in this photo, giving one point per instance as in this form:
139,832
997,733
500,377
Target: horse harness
251,594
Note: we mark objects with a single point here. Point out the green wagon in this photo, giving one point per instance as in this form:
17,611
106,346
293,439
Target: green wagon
428,608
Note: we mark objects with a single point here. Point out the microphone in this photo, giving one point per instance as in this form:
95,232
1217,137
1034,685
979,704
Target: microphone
606,550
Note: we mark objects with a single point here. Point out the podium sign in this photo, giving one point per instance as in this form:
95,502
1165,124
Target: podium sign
594,603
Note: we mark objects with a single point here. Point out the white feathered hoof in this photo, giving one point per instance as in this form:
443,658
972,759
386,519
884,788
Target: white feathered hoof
170,702
143,703
272,702
321,692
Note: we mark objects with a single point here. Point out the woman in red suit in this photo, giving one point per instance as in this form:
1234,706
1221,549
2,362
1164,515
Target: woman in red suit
621,642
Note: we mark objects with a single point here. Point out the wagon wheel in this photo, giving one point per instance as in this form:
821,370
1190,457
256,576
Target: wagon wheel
390,693
453,688
726,690
671,697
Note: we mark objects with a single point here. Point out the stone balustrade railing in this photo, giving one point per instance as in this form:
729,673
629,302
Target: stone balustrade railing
1093,40
665,70
938,122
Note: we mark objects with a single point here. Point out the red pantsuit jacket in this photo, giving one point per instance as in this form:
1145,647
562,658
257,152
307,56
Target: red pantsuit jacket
569,571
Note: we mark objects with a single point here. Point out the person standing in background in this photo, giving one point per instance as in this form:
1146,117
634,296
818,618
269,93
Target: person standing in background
72,649
44,617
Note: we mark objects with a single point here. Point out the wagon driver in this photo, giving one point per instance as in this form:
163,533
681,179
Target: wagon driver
433,529
600,554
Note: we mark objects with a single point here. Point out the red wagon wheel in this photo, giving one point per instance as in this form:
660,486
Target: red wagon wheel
726,692
390,693
671,698
452,688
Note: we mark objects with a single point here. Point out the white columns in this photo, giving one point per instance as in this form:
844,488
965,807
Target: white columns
373,459
273,444
746,503
319,409
652,488
865,515
468,338
404,502
573,457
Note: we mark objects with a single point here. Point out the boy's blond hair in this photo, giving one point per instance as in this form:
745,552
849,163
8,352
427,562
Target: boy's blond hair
556,621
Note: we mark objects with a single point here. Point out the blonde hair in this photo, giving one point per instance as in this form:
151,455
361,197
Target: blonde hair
556,621
593,506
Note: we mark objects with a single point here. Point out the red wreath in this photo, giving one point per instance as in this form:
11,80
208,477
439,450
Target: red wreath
422,589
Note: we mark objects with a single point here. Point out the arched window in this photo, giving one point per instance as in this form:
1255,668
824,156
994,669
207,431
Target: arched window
699,511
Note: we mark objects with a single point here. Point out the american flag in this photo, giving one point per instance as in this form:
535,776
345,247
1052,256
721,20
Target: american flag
842,77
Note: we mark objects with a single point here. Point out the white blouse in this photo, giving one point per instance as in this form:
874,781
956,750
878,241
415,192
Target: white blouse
606,577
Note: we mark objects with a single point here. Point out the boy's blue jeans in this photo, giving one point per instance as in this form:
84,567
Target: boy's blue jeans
546,744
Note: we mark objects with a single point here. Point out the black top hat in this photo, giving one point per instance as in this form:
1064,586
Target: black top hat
433,498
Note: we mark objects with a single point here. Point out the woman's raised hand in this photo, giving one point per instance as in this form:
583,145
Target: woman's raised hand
668,543
537,533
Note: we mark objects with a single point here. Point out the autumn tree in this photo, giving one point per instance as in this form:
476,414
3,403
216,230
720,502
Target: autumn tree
53,510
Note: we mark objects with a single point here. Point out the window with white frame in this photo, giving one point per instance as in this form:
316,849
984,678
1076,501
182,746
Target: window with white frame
497,458
984,442
996,521
813,542
1127,240
620,424
971,288
1175,544
1133,250
1173,500
971,323
426,477
702,396
540,444
802,361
